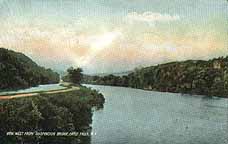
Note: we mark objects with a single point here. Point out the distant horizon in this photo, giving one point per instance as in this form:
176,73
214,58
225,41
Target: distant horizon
139,67
114,35
64,71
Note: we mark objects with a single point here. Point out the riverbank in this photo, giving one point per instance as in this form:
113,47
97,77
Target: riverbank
63,87
68,111
20,95
188,77
18,71
154,90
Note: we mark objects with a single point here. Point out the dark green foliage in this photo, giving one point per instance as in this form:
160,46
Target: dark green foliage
19,71
64,112
192,76
74,75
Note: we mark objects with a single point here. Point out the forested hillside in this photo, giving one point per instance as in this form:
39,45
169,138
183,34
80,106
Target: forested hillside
68,112
192,76
19,71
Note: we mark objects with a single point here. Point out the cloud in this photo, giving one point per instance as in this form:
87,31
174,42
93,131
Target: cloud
110,50
101,41
52,46
138,50
151,17
97,43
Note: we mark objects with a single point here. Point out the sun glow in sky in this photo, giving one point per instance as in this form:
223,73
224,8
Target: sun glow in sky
114,35
104,40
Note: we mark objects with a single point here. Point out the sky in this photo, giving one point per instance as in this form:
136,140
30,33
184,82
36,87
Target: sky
107,36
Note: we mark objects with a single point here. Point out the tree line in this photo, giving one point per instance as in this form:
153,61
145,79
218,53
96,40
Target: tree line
63,112
191,76
19,71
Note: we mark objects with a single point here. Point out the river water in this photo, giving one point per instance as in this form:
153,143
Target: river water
46,87
133,116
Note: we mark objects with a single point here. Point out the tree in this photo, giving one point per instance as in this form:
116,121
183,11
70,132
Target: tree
19,71
75,75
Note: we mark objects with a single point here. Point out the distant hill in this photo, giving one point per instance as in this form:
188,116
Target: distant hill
115,74
19,71
191,76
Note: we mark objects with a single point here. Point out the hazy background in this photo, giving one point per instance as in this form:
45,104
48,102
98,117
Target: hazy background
105,36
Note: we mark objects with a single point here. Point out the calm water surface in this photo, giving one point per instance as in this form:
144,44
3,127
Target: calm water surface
46,87
132,116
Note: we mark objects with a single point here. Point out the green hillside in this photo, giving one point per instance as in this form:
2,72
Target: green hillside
19,71
192,76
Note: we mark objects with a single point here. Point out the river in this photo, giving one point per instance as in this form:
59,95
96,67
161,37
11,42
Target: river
46,87
133,116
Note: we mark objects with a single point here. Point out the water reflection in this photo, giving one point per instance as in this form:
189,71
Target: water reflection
39,88
147,117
